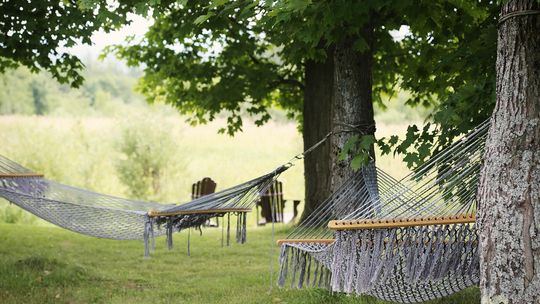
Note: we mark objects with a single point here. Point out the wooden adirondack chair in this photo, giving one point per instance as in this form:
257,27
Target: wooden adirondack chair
204,187
273,198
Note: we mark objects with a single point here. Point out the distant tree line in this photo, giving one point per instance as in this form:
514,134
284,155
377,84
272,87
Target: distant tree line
105,89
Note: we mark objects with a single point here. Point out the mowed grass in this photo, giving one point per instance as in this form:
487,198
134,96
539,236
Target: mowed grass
51,265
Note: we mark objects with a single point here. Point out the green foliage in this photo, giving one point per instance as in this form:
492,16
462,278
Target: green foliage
39,97
147,152
14,215
450,66
242,57
36,33
207,58
211,57
15,93
360,148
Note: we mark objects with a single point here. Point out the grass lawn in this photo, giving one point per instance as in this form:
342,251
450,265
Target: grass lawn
44,264
40,264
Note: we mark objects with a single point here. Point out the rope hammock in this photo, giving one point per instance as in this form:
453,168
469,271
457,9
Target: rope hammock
116,218
406,241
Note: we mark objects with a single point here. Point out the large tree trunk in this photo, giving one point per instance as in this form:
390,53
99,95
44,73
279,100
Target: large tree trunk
337,92
317,123
509,190
351,104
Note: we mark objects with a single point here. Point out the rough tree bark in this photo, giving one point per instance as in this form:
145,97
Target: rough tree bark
509,190
352,101
317,123
337,91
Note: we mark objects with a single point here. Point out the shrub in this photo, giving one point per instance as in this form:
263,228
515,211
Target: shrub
147,157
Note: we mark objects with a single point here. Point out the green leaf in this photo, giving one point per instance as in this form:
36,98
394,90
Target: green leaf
347,147
297,5
199,20
411,159
359,160
361,45
219,2
367,142
383,146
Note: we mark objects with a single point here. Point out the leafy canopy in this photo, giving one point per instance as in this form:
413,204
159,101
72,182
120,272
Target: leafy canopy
36,34
209,57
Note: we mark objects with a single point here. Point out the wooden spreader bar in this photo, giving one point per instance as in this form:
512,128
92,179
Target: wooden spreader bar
14,175
304,241
400,222
153,213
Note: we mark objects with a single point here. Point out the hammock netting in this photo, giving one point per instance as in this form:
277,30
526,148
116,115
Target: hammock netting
406,241
105,216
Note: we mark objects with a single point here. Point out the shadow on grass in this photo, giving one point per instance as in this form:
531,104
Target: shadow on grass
42,279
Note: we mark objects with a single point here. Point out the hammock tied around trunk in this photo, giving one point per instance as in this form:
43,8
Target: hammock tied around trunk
406,241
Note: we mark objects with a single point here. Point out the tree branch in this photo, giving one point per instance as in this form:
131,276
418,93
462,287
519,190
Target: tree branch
291,82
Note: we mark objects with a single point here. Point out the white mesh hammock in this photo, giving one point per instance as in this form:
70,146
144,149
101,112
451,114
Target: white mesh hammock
116,218
406,241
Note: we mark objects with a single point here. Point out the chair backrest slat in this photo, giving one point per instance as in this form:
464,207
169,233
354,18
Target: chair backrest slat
272,200
203,187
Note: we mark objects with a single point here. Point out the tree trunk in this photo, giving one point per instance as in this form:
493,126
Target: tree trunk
351,104
509,190
317,123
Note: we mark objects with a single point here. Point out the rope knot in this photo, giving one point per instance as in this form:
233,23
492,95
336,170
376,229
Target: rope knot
361,128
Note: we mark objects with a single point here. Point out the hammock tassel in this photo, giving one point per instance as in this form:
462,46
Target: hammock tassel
244,228
228,229
303,265
314,283
146,235
294,263
169,234
321,277
152,235
284,265
238,224
189,242
222,235
308,270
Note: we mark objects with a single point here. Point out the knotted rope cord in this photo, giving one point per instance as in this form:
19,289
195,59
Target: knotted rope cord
362,129
366,128
319,219
356,128
300,156
469,149
518,14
